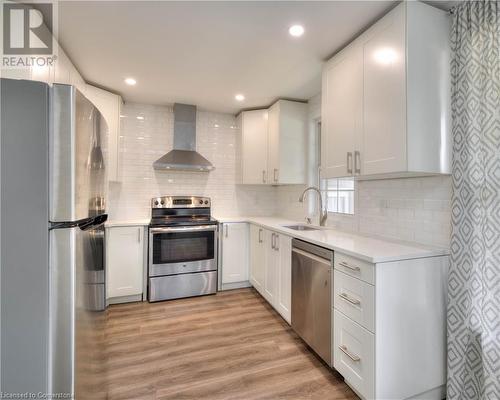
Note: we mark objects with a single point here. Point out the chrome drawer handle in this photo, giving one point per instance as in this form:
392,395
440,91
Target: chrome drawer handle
351,300
351,267
352,356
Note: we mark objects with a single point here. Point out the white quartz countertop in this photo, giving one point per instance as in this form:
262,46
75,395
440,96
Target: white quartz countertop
131,222
371,249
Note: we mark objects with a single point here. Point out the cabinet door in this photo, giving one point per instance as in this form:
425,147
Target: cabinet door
341,124
284,299
109,105
384,108
234,252
271,268
254,147
125,261
287,142
257,257
273,159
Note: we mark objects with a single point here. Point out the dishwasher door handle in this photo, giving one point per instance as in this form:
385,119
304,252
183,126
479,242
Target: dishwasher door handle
311,256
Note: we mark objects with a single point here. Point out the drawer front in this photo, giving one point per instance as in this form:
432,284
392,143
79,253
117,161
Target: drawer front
183,285
354,298
354,267
354,354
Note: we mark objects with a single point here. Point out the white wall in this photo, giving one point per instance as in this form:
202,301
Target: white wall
144,141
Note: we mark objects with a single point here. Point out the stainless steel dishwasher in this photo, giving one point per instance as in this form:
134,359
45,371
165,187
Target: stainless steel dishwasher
311,296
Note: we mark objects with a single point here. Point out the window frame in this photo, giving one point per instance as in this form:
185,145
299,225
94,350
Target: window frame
326,184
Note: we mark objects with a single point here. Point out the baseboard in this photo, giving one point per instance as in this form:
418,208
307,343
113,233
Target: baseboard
124,299
437,393
235,285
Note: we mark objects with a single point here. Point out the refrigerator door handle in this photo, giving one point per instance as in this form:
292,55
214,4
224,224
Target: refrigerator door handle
83,224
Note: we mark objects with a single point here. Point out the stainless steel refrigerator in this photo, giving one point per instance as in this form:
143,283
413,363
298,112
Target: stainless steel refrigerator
52,241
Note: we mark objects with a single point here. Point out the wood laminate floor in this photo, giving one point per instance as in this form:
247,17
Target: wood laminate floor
232,345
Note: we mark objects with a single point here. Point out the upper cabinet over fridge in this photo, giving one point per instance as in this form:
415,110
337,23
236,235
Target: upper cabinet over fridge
386,98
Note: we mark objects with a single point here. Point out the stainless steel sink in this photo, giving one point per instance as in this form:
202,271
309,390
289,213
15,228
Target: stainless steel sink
301,227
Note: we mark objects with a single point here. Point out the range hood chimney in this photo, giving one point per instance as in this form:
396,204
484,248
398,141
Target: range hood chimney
184,156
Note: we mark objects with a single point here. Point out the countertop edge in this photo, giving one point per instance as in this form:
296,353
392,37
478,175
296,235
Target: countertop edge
134,222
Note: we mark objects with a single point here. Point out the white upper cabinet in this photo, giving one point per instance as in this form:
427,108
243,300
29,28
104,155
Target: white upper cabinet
386,98
254,146
109,105
342,112
287,145
274,144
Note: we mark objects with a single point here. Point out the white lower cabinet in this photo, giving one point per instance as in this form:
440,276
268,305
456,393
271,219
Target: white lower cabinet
125,263
234,257
257,257
354,354
354,298
284,294
271,268
389,326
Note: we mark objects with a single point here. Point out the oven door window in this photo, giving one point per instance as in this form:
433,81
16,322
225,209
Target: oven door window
176,247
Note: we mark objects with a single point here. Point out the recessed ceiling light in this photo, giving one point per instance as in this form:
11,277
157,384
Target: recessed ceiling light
296,30
130,81
239,97
140,117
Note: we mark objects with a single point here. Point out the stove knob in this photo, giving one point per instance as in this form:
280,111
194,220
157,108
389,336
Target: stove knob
201,201
162,202
206,201
156,202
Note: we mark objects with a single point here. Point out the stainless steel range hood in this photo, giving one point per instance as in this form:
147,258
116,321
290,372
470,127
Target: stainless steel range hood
184,156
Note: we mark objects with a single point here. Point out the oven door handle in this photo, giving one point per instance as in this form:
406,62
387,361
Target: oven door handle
199,228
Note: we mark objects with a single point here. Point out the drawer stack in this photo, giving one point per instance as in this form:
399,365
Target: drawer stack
354,323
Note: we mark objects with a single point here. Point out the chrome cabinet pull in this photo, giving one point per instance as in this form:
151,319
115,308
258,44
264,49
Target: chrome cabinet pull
275,175
263,176
349,299
138,235
351,267
260,235
277,242
272,241
357,157
349,162
352,356
226,229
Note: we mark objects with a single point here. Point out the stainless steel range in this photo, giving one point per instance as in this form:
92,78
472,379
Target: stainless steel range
182,248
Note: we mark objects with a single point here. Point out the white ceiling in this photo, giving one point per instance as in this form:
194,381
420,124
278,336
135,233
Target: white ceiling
205,52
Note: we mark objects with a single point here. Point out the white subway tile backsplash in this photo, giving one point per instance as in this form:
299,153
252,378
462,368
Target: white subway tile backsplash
412,209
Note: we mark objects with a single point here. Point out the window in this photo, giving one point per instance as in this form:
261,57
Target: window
339,194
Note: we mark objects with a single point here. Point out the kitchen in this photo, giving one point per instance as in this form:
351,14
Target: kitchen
250,200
